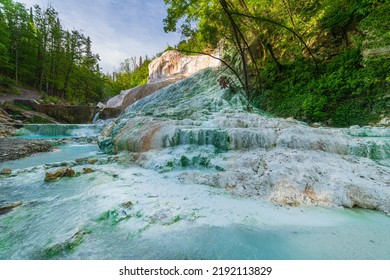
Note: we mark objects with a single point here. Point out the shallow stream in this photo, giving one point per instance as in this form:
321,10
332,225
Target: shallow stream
124,211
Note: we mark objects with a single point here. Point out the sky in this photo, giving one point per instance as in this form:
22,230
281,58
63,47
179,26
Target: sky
119,29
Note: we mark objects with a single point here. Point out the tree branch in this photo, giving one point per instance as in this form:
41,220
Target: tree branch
283,26
217,58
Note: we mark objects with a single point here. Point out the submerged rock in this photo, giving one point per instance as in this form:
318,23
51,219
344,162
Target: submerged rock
114,216
92,161
8,208
81,160
87,170
59,173
6,171
127,205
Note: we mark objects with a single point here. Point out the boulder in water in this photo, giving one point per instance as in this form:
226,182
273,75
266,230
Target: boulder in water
81,160
127,205
59,173
6,171
88,170
92,161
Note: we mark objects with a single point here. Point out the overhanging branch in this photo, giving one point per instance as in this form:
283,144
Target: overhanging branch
283,26
217,58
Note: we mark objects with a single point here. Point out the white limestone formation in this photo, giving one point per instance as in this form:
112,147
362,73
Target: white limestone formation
205,131
167,69
175,65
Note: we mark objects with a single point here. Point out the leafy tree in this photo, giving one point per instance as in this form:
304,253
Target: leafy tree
132,73
35,50
311,59
4,41
252,29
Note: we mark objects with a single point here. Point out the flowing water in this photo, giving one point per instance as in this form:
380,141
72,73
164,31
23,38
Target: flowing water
62,153
59,130
123,211
198,177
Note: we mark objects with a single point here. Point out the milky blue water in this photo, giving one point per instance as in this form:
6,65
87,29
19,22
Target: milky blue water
60,154
59,130
127,212
169,220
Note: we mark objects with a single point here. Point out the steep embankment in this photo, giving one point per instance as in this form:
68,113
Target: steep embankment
204,132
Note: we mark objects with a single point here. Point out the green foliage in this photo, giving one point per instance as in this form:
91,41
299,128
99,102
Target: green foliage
50,99
132,73
318,61
36,51
7,85
348,91
6,82
338,15
313,106
197,44
375,27
254,32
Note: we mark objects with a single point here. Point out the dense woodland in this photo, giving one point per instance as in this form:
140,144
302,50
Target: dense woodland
36,52
316,60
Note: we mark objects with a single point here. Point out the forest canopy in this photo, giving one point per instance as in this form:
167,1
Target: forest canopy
319,61
36,51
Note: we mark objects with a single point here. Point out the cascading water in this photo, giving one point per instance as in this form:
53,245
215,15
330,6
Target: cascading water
96,118
69,141
197,177
60,130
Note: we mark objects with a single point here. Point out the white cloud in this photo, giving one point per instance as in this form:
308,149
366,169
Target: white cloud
118,29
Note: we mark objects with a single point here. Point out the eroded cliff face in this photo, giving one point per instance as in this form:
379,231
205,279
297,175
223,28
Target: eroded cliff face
165,70
118,104
205,135
175,65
